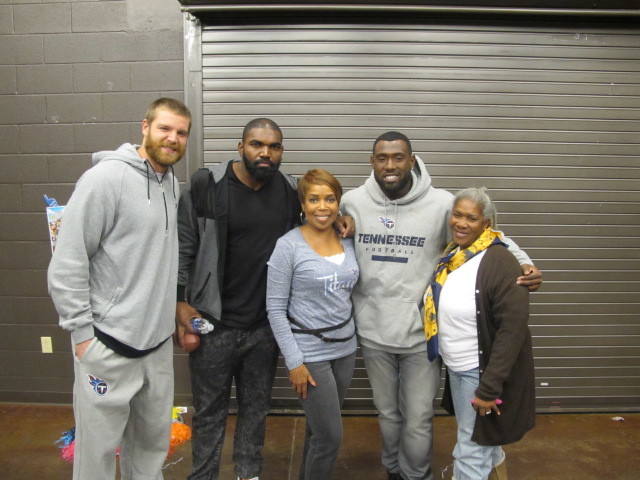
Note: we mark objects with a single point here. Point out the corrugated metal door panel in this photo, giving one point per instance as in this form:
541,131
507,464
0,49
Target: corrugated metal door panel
535,131
416,61
216,126
547,118
595,286
468,135
214,36
591,80
468,146
427,98
424,85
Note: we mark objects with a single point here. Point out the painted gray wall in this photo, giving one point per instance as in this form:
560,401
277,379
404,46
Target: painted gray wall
75,77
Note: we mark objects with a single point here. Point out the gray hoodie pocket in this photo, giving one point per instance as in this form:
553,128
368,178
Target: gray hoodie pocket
388,322
103,289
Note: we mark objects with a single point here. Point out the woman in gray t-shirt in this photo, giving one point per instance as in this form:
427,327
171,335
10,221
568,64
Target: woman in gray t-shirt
311,275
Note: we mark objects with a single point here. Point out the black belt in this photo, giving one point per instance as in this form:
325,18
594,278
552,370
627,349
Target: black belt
319,331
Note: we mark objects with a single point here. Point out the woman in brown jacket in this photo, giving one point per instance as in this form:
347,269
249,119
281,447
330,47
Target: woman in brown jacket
476,320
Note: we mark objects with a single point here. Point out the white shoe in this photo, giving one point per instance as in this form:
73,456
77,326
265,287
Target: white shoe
254,478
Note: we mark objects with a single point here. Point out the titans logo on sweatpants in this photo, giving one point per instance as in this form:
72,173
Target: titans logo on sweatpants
99,386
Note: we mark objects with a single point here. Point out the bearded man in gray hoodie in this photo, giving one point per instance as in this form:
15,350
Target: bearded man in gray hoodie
112,279
401,229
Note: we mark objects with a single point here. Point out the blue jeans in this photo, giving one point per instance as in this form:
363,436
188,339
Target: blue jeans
472,461
322,412
249,356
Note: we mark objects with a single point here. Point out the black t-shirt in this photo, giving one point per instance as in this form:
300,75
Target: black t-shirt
257,218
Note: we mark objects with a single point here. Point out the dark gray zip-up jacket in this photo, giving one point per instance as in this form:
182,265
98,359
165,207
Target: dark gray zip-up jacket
202,233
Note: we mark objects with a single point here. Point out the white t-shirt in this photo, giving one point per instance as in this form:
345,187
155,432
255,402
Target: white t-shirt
457,327
338,258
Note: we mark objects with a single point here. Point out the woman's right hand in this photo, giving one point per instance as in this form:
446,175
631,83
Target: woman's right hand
484,407
299,377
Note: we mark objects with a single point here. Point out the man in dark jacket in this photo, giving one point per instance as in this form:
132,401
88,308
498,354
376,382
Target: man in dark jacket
229,219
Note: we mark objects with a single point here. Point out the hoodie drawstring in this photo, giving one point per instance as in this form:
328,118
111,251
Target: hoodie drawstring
396,220
173,183
395,216
146,165
164,198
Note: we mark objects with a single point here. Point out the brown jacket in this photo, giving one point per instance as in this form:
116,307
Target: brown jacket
504,350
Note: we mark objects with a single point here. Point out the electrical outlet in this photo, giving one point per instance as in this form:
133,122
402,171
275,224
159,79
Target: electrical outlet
47,347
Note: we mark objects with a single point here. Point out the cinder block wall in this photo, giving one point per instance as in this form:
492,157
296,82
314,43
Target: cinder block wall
75,77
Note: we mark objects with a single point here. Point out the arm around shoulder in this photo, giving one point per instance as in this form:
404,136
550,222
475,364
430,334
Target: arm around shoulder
531,277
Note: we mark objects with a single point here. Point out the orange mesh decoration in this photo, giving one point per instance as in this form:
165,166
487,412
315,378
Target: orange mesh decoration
180,433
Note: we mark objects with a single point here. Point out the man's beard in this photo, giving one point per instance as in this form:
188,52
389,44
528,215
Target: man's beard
392,190
155,153
262,174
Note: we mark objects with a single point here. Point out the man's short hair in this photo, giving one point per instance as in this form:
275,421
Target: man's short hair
260,123
171,104
392,136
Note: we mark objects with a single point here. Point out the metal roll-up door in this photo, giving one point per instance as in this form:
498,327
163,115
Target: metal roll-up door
546,117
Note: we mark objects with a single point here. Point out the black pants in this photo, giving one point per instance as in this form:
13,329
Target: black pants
249,357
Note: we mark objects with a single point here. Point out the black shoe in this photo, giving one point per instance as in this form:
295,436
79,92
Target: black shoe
394,476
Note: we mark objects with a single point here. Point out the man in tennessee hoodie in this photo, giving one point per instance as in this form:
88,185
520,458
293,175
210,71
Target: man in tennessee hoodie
112,279
401,229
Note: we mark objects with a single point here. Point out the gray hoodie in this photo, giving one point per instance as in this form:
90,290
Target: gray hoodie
398,243
116,258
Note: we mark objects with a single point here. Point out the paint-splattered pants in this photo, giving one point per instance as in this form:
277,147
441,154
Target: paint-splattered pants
249,357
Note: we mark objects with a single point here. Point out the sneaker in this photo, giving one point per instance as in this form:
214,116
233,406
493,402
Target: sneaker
394,476
254,478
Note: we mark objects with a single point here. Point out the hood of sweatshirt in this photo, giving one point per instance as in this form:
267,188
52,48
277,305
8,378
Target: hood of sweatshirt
421,181
128,153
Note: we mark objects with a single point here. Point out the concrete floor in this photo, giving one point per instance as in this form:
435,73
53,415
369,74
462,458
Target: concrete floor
561,447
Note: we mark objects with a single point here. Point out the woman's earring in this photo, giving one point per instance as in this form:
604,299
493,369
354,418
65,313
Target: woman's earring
302,217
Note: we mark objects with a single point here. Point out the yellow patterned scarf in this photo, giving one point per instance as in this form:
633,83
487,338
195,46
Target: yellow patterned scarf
452,258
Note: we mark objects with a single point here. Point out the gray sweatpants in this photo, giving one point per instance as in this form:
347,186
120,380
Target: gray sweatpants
404,388
125,402
323,435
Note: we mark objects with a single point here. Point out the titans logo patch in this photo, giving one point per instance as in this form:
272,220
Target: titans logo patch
387,222
99,386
